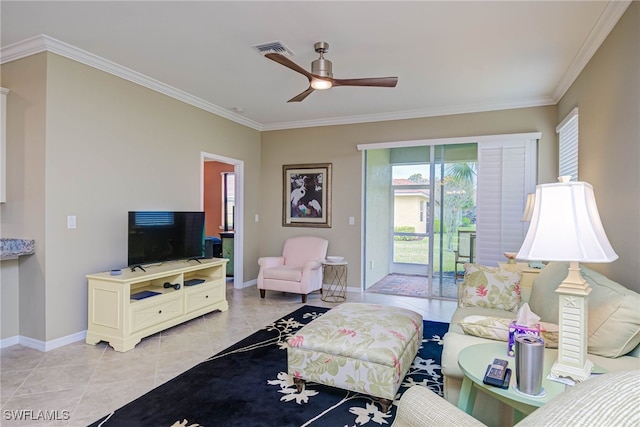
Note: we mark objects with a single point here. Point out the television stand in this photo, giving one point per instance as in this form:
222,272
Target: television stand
125,308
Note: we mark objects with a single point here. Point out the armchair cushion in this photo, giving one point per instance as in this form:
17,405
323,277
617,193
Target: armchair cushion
284,272
490,287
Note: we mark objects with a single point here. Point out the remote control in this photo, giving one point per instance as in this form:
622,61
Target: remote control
496,373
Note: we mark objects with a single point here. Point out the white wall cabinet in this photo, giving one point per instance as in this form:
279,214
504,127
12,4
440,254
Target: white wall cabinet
130,306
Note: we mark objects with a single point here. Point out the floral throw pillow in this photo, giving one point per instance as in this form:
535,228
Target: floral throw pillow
497,328
490,287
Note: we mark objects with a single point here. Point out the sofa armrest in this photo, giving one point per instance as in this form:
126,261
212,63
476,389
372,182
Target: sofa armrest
420,407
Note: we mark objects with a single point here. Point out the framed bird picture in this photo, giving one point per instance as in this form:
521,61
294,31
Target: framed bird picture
306,195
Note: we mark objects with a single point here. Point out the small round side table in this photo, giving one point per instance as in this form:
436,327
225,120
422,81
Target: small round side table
335,273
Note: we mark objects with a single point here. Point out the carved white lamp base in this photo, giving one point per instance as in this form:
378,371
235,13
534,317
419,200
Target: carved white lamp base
573,326
559,370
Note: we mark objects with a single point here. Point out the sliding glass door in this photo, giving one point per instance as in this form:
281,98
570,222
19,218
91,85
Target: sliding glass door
411,219
433,205
433,198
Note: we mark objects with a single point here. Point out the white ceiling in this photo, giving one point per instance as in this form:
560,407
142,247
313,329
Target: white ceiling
450,56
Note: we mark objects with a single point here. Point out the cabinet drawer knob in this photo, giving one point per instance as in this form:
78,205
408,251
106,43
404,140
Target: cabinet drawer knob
159,311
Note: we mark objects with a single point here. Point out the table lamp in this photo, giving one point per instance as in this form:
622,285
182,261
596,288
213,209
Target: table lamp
565,226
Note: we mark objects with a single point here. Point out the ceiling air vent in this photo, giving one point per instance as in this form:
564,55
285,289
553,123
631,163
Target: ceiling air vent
273,47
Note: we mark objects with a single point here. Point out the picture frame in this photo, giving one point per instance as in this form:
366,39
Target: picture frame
306,195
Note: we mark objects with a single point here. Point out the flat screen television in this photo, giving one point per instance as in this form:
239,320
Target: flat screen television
156,236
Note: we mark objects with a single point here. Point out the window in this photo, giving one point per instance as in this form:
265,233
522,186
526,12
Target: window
568,145
229,202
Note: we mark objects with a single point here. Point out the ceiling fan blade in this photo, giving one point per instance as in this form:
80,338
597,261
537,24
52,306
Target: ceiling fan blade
283,60
302,95
373,81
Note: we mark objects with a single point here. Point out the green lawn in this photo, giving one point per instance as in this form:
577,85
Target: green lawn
415,251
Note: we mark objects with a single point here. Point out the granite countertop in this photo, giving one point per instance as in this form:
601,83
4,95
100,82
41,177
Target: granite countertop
13,248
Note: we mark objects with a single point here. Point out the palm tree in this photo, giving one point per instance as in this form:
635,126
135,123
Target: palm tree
459,189
462,172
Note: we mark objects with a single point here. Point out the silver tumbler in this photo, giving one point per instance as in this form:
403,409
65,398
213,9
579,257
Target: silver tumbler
529,364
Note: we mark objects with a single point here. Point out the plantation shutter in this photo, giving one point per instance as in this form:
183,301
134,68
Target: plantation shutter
568,145
506,174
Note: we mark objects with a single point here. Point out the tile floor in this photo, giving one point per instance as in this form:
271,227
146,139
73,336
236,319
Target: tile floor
79,383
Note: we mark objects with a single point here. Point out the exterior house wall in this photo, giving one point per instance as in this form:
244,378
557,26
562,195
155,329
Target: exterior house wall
407,212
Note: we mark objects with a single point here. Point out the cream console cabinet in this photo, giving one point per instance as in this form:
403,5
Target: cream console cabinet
126,307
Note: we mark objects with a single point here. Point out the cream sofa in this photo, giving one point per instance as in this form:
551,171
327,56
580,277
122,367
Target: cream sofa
607,400
614,325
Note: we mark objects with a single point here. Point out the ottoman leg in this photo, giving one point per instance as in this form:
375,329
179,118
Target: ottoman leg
385,404
299,383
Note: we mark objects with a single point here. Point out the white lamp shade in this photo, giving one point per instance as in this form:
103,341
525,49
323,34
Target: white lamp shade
566,226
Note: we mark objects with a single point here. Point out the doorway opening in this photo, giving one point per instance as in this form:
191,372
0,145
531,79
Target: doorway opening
222,201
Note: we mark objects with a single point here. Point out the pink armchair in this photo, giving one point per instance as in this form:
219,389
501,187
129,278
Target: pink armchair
298,270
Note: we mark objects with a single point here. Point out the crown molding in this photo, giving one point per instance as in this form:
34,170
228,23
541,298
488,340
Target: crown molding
413,114
611,14
44,43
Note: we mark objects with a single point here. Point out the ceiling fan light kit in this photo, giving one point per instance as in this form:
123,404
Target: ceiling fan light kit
319,84
321,75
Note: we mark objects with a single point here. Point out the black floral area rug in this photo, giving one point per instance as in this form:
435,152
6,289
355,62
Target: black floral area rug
248,385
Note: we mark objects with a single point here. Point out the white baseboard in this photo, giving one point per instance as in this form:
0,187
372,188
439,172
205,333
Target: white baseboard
8,342
248,284
43,345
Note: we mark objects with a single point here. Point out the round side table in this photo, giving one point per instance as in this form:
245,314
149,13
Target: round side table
473,361
334,281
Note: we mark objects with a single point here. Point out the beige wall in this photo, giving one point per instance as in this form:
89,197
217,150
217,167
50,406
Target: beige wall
607,94
9,294
22,215
338,145
110,146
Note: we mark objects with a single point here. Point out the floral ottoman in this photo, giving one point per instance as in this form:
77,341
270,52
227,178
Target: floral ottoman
366,348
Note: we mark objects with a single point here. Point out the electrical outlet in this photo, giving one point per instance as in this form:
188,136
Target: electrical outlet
371,264
71,222
352,220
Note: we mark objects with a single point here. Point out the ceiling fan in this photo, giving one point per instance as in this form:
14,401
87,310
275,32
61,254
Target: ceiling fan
321,77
